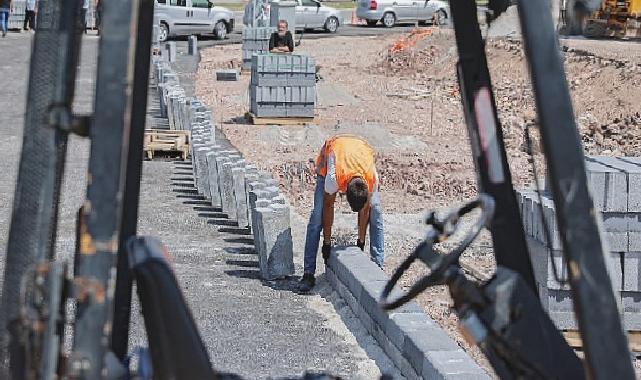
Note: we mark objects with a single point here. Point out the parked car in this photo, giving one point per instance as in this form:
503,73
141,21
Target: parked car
312,14
392,12
186,17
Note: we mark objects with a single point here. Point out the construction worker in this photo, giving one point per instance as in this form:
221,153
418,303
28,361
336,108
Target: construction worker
345,164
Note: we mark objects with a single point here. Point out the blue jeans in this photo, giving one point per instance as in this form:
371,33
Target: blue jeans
315,227
4,19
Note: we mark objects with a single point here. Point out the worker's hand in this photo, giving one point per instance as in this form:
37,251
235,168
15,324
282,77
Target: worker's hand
326,250
360,244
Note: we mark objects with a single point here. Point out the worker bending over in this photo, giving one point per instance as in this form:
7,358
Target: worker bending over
345,164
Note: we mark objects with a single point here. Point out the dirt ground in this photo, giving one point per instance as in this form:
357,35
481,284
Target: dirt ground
406,102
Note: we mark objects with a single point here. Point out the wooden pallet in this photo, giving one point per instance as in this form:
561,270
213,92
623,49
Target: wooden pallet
160,140
278,120
574,339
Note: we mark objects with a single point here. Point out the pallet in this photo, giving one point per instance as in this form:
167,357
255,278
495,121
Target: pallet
278,120
159,140
574,339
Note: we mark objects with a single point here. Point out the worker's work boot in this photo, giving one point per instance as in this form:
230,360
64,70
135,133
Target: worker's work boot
306,283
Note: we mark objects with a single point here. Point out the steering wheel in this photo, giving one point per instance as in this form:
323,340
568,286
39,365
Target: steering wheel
439,230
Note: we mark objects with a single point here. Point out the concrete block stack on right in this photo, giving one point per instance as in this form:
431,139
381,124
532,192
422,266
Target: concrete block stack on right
615,185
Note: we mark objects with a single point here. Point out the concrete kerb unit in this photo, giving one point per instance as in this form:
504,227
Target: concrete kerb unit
214,188
276,260
240,195
412,340
203,171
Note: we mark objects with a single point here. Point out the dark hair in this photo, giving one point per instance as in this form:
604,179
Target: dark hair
357,193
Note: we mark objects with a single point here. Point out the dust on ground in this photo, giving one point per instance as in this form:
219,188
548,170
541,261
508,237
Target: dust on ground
406,102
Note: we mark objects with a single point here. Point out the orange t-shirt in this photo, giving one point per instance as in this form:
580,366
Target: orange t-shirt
344,157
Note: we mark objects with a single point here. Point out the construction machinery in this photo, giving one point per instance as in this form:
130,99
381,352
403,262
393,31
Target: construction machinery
612,18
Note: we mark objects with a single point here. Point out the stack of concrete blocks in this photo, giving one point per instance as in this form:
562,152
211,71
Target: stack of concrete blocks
283,85
270,222
255,40
227,75
615,184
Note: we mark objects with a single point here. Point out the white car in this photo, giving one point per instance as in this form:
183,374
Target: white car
186,17
392,12
312,14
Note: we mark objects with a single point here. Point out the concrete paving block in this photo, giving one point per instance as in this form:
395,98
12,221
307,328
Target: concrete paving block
272,191
528,205
347,259
537,220
614,193
278,258
222,159
419,343
227,189
614,266
632,271
563,320
631,306
615,221
203,171
214,190
455,364
280,199
549,214
395,355
632,172
260,215
597,185
617,241
633,169
634,241
402,325
240,197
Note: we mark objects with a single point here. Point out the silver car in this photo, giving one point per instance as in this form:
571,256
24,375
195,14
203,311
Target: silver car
392,12
312,14
186,17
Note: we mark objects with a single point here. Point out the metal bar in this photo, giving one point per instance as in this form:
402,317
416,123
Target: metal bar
486,138
604,342
33,222
100,224
122,297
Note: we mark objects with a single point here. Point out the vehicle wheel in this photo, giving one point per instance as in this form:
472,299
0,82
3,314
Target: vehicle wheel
440,18
220,30
372,22
331,25
163,33
389,19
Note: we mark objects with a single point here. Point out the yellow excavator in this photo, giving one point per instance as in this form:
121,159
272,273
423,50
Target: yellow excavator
613,18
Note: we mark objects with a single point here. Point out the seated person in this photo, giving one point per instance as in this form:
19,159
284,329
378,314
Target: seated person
282,40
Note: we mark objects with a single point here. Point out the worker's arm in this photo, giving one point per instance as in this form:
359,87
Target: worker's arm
271,42
363,221
328,217
290,42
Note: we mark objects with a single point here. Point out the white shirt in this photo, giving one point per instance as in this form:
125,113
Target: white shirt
85,4
31,5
